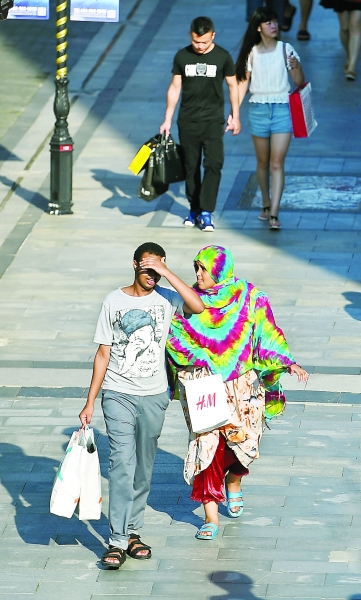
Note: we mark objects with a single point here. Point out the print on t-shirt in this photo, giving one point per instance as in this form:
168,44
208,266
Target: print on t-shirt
201,70
138,334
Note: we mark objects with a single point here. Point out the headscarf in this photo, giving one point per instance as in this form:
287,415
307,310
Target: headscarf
236,331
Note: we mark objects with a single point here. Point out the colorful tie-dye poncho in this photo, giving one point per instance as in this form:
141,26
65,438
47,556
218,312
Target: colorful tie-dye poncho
235,333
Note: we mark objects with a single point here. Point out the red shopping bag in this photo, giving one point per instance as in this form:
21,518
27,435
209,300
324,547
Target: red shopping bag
303,119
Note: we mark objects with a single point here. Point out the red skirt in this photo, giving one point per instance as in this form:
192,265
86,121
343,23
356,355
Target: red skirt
209,484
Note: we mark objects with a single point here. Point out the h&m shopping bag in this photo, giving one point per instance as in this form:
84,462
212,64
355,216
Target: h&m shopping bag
207,403
301,109
78,479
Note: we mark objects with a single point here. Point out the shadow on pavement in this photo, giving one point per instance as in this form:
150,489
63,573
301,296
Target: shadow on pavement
168,491
237,585
124,194
34,198
33,521
6,154
354,308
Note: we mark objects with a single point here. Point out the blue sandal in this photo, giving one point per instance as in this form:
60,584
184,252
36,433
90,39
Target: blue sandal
211,527
239,504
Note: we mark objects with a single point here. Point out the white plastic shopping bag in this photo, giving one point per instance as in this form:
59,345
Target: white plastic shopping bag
207,403
78,479
90,503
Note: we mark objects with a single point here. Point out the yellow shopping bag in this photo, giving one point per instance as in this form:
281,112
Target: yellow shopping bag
140,159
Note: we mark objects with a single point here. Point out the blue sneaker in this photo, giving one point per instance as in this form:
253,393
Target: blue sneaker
205,221
190,220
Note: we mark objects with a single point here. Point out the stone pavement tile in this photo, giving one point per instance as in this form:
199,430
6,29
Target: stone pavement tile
15,586
125,597
306,566
238,590
36,575
351,474
307,521
304,578
329,413
84,591
356,416
9,392
319,544
313,591
260,531
191,575
343,578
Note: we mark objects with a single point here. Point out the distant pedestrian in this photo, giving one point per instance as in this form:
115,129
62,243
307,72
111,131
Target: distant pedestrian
283,8
303,34
130,366
198,74
264,62
349,17
237,337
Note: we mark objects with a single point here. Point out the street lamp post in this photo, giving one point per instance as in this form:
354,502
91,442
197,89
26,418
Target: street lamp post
61,144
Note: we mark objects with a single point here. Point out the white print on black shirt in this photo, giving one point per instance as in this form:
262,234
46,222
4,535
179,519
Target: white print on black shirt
138,334
201,70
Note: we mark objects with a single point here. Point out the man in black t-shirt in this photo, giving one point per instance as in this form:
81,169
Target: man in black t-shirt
198,73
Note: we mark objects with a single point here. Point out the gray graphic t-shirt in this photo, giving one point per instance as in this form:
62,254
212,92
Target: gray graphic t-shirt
136,328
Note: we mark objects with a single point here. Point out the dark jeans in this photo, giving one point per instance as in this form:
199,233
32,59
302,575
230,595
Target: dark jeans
197,140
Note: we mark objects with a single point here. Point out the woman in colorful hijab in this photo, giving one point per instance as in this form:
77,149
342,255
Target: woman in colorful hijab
236,336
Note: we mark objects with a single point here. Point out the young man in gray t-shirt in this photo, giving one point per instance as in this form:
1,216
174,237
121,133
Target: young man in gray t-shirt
130,366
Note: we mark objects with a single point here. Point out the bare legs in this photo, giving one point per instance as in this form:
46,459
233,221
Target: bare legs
211,508
271,153
306,7
350,36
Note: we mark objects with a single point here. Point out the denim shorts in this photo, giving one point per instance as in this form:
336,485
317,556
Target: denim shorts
265,119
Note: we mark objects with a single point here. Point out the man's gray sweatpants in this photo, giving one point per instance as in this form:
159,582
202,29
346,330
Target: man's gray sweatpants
134,424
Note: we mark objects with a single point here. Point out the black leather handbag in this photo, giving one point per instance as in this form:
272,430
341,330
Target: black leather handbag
168,166
148,190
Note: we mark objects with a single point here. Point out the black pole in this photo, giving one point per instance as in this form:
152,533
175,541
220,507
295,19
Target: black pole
61,144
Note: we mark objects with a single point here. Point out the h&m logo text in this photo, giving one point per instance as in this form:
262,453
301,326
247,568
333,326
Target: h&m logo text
206,401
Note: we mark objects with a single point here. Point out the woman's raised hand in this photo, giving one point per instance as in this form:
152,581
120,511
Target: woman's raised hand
295,369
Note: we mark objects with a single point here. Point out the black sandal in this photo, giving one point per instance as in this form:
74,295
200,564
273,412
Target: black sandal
287,21
113,552
133,552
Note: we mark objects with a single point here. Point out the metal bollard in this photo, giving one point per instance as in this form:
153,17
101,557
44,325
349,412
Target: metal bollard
61,144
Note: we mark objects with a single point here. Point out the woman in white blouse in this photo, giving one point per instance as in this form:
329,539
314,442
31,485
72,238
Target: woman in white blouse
265,62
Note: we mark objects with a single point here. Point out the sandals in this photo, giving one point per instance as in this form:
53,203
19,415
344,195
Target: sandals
264,216
113,552
207,527
133,552
274,223
239,504
303,35
287,21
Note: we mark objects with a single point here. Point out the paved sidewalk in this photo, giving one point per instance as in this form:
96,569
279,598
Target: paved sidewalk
299,536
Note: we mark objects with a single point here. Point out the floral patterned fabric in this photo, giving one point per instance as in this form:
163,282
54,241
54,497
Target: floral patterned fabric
246,401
